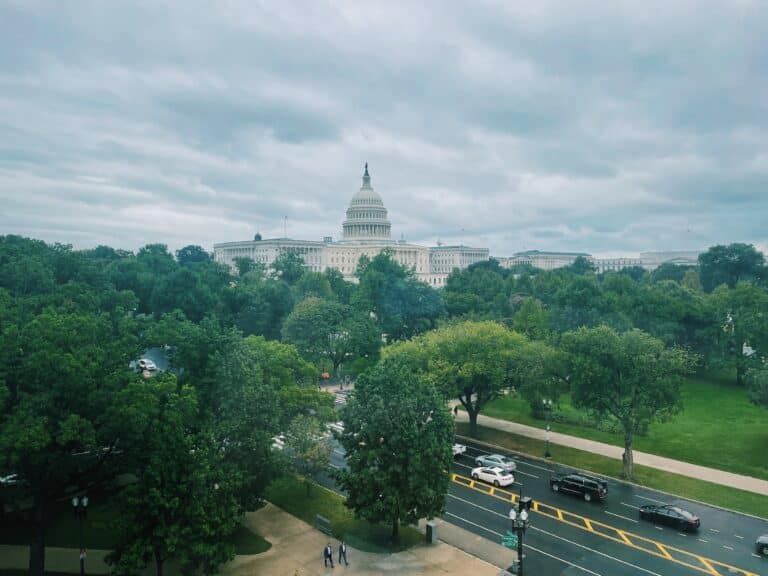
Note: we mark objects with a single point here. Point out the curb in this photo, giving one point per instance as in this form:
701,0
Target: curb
622,480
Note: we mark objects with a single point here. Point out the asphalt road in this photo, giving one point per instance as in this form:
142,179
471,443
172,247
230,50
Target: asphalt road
568,536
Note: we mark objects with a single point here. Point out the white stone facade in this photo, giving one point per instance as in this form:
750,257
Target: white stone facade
366,232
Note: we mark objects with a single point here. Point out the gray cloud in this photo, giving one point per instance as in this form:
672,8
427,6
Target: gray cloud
607,128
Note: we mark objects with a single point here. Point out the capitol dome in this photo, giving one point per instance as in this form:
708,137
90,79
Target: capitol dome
366,216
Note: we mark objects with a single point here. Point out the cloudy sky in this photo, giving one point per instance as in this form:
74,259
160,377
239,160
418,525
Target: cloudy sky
599,126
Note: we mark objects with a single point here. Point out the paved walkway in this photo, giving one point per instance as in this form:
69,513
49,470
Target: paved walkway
297,551
651,460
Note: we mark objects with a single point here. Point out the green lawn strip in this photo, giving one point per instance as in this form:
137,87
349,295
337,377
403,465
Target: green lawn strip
683,486
290,494
98,528
718,427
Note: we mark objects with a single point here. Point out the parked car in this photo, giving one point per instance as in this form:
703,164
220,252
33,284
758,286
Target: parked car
587,487
671,516
761,545
147,364
458,449
496,461
495,476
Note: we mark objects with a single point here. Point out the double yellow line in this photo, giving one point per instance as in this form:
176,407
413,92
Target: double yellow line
653,547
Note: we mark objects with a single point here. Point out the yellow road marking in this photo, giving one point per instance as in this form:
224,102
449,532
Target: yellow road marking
711,569
666,554
706,565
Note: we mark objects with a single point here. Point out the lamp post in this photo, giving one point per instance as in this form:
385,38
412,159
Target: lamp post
519,520
80,504
548,413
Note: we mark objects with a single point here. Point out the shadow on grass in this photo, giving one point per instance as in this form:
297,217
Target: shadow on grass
289,493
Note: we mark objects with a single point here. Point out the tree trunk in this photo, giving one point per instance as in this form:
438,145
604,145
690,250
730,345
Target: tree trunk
740,375
627,457
395,530
472,422
159,562
37,547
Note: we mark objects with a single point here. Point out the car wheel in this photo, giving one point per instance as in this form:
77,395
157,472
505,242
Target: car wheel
764,550
474,476
587,497
555,487
496,483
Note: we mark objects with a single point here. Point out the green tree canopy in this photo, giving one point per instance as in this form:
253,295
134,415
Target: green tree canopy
325,330
630,376
472,361
397,437
730,264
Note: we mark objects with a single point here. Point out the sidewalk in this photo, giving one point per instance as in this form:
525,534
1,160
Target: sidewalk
297,551
747,483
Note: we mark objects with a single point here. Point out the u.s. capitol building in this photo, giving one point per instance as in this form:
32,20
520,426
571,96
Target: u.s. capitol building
365,231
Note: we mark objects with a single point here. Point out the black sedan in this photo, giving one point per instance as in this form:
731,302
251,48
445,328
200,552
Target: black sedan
670,515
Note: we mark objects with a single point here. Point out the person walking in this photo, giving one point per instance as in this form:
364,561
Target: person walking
343,553
328,555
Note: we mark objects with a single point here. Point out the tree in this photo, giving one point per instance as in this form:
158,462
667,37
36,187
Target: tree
313,284
192,254
730,264
327,330
397,437
61,370
582,265
757,386
532,320
630,376
289,266
669,271
478,291
182,504
401,305
309,447
472,361
541,372
740,320
244,265
579,302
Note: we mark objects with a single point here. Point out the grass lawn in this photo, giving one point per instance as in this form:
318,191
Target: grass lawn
718,427
97,528
716,494
290,494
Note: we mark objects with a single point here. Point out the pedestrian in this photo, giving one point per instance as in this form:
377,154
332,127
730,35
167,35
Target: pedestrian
343,553
328,555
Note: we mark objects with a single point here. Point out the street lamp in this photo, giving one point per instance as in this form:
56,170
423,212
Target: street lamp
548,413
80,504
519,520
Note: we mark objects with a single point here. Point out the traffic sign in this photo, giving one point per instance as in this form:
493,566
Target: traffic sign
509,540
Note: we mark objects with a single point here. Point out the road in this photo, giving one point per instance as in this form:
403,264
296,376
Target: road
567,536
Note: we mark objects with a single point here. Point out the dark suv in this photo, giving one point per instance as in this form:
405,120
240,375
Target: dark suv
588,487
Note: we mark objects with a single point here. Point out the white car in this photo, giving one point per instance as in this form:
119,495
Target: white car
147,364
458,449
496,461
495,476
